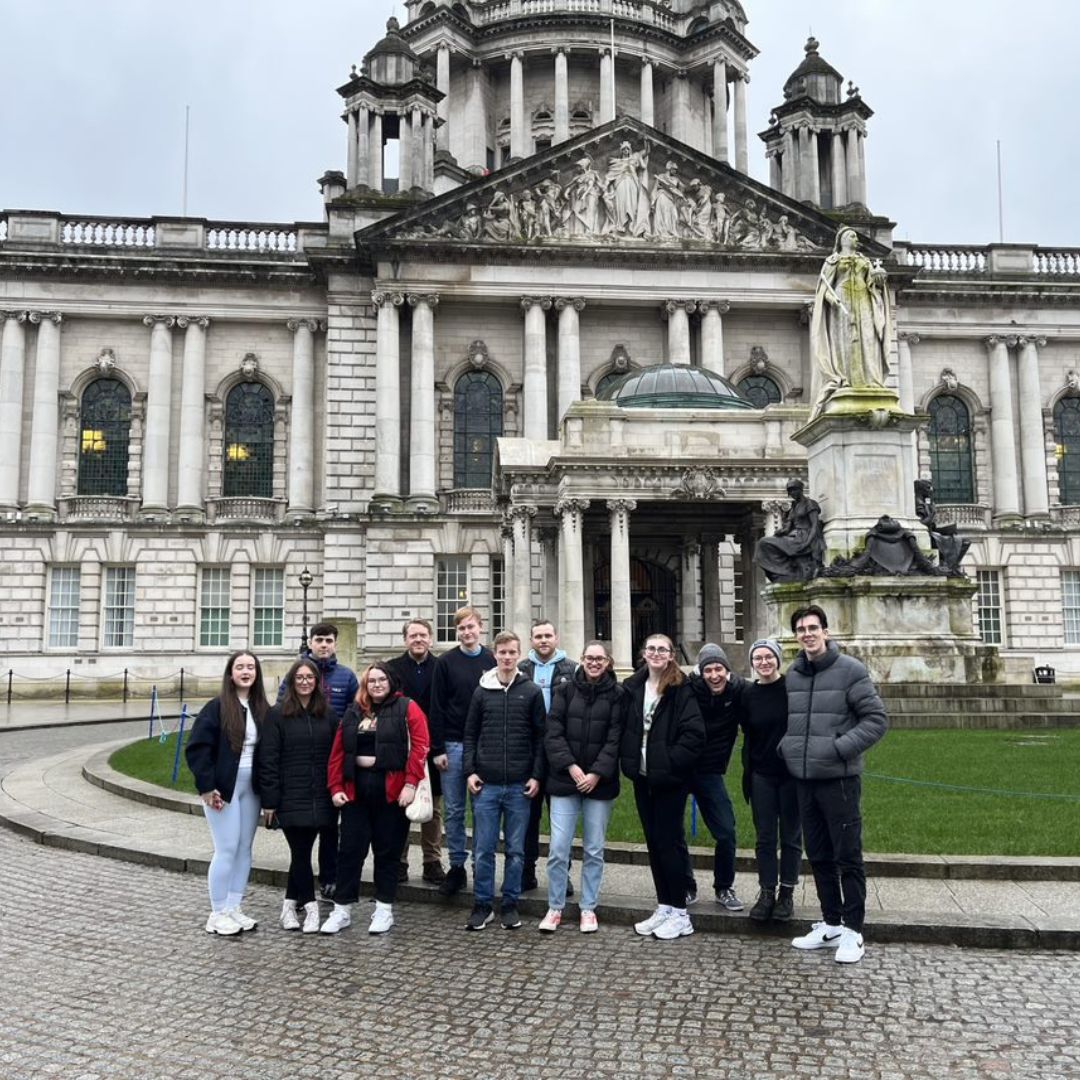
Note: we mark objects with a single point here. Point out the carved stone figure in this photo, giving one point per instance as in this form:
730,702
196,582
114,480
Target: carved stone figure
890,549
527,214
549,212
702,219
950,547
471,223
850,326
500,218
626,191
668,202
721,219
582,206
796,551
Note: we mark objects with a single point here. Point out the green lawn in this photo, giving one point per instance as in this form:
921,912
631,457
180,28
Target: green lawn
898,817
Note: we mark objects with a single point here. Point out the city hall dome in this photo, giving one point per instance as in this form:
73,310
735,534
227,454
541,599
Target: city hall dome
673,386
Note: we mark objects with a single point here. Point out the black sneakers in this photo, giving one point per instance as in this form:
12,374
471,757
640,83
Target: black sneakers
481,914
454,881
785,904
511,920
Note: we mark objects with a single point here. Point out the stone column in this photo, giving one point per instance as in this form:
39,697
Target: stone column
571,574
506,532
387,398
1032,434
678,316
839,170
789,169
562,98
44,423
720,139
854,189
622,630
155,459
534,383
521,518
550,573
607,90
905,379
690,621
775,179
407,150
363,148
350,172
375,157
476,121
742,159
712,333
191,464
569,352
1002,428
814,169
422,392
442,83
12,375
710,590
519,140
752,579
302,419
647,114
428,180
802,177
861,146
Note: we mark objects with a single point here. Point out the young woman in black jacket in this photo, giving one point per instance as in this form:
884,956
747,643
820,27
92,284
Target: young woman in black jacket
582,737
662,739
293,757
222,754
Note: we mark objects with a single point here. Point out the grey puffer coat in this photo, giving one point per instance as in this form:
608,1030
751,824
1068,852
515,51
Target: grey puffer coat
834,715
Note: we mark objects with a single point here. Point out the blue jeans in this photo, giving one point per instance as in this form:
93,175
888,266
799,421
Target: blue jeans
508,805
595,815
453,786
716,810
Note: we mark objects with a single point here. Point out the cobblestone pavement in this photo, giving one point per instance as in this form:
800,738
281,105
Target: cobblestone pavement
105,971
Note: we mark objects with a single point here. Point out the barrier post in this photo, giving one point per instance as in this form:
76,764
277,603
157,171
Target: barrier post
153,710
10,676
125,685
67,687
179,744
181,684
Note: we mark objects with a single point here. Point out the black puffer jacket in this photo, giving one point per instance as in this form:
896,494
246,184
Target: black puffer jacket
212,761
722,714
584,728
292,767
504,731
676,739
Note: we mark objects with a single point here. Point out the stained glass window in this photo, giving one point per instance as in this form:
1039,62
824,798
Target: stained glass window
249,442
760,391
478,422
1067,448
950,450
104,433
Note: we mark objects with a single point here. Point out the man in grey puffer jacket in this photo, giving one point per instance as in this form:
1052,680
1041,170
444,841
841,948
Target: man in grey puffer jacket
834,714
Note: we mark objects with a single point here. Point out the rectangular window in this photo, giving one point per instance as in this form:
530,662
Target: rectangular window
451,592
119,629
64,608
269,608
1070,603
498,595
988,606
214,607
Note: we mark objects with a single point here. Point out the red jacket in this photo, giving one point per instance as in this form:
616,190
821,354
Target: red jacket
401,739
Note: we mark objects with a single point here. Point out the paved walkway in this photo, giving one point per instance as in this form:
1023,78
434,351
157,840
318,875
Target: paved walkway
50,800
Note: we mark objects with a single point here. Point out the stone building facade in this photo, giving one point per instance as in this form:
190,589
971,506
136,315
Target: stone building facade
551,366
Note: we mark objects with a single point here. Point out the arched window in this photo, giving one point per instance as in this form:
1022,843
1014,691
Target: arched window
104,433
760,391
608,383
950,450
1067,449
248,467
478,419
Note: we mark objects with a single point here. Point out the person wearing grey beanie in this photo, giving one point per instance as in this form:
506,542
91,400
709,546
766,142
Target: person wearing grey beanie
768,643
711,654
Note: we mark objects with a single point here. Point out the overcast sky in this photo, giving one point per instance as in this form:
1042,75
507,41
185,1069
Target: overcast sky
93,92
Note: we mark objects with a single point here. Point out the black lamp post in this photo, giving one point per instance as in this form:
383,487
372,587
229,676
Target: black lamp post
306,578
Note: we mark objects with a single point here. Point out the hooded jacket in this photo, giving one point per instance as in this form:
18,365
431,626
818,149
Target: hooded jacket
554,672
834,715
584,727
337,682
504,731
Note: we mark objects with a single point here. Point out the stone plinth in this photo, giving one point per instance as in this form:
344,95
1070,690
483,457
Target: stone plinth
905,629
861,466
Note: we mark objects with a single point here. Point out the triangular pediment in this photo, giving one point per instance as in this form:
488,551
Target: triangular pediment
624,186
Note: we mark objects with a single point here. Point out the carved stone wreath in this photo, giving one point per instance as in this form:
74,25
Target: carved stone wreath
698,483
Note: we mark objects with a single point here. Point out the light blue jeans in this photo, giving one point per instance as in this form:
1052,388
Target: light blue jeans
233,830
564,814
508,805
453,789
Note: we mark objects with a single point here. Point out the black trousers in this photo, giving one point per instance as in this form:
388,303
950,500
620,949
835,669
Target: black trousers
832,830
370,823
774,801
662,811
301,841
328,849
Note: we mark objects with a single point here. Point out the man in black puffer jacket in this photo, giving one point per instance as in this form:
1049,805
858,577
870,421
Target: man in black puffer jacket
504,762
834,714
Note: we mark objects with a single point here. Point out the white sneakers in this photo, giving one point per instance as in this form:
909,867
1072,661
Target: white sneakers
289,918
649,925
311,917
245,922
588,923
221,922
676,925
550,922
382,920
851,948
848,943
337,920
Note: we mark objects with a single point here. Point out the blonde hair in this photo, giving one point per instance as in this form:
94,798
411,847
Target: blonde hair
672,675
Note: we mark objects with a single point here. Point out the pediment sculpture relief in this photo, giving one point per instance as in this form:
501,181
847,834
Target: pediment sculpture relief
626,198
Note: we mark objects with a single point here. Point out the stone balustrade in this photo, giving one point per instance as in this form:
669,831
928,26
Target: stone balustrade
992,258
967,517
947,258
107,232
245,508
1060,261
648,11
469,501
111,508
231,236
1068,517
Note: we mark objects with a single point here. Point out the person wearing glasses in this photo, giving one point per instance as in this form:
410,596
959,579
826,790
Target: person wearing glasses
292,780
834,715
584,726
376,763
663,738
768,786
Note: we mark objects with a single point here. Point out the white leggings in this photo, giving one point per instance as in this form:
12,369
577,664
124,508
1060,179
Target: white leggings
233,829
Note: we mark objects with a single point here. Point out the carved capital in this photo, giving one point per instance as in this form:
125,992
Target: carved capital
1012,340
669,307
380,297
543,302
621,506
46,316
721,307
1023,340
910,338
18,316
992,341
691,550
168,321
522,512
577,302
314,325
431,299
517,54
570,506
200,321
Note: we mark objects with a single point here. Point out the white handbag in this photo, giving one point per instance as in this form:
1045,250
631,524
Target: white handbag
422,809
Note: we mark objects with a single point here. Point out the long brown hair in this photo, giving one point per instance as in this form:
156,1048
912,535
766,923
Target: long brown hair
363,699
291,704
672,675
232,712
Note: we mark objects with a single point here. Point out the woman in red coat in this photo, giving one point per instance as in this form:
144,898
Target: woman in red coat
376,761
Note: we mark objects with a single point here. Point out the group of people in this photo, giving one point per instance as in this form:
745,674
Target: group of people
337,760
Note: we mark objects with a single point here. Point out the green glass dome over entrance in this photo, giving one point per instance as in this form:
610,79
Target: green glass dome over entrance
673,386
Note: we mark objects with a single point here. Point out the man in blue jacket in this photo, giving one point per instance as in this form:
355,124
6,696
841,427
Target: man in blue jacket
834,715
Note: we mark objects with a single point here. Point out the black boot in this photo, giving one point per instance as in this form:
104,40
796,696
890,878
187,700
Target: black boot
785,903
454,881
762,911
528,878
